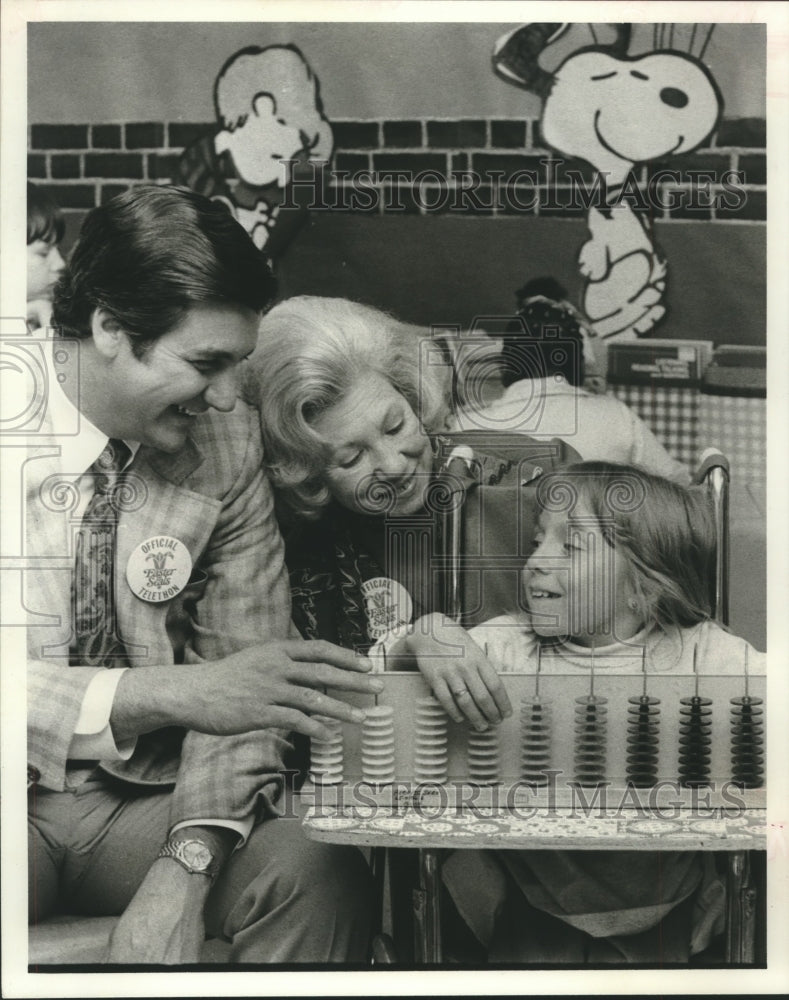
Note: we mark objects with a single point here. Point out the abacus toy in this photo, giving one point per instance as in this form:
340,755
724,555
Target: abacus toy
645,739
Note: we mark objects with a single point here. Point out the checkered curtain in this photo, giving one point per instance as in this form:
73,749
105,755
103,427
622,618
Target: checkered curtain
687,421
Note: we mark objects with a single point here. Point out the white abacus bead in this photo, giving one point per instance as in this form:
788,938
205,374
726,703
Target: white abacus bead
429,706
326,756
430,753
483,756
378,745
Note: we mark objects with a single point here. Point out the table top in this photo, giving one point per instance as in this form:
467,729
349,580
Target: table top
569,829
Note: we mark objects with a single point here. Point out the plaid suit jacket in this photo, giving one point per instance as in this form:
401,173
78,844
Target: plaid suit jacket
213,497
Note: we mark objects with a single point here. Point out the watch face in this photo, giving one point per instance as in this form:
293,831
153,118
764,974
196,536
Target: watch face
197,855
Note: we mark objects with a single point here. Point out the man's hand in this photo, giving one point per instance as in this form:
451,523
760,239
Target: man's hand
163,924
279,685
461,677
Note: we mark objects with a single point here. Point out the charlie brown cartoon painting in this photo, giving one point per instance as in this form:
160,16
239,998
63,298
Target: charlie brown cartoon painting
269,113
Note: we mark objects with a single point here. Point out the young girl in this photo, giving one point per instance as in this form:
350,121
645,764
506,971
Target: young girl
45,228
622,565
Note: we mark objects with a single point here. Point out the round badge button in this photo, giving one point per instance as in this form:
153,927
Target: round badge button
387,604
159,569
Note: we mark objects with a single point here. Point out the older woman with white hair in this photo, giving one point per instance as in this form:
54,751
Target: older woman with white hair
354,405
325,369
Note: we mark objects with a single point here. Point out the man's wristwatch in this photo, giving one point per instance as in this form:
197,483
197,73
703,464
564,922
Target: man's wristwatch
193,855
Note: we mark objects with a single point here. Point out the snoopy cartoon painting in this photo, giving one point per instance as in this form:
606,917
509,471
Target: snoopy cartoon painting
616,111
269,114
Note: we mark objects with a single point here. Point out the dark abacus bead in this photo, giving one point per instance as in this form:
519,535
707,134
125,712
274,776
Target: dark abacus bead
590,739
641,766
536,740
694,741
747,740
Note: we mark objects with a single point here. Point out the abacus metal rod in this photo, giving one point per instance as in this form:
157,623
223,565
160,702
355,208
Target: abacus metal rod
383,656
695,669
591,669
644,669
745,669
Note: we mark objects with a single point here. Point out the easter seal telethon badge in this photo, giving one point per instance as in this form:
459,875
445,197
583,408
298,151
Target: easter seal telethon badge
387,604
159,569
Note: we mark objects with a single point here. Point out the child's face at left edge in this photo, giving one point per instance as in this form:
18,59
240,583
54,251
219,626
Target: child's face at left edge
44,264
575,584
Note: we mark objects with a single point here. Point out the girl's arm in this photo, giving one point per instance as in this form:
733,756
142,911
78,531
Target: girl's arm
461,677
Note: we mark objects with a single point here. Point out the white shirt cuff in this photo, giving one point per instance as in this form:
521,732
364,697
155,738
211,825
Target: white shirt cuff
92,738
242,827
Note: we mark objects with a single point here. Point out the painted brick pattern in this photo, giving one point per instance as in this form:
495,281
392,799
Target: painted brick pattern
488,167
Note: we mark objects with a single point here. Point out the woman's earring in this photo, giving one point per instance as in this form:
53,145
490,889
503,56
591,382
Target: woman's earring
632,603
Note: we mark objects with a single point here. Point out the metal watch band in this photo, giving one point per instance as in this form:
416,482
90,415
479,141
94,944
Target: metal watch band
176,849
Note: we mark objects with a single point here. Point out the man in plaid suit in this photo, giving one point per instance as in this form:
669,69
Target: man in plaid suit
156,792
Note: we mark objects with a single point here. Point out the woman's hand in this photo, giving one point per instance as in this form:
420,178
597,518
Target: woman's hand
461,677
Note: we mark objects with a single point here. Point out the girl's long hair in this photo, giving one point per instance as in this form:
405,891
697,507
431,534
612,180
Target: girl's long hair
665,531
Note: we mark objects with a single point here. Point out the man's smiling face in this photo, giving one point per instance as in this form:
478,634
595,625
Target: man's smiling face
155,399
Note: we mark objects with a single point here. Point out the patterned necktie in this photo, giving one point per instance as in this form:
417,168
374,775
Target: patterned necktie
95,624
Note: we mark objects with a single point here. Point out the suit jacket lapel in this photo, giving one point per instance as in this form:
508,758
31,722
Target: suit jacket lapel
158,505
173,468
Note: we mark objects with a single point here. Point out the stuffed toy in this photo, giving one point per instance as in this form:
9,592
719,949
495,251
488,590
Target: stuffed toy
269,112
615,111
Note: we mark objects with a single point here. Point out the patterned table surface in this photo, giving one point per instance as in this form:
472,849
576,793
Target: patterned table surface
537,829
